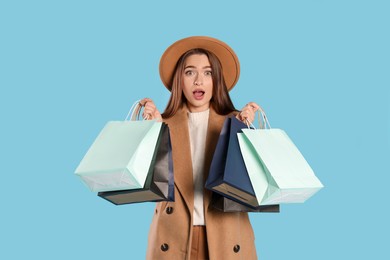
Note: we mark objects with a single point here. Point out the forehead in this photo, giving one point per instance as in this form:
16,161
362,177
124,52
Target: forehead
197,60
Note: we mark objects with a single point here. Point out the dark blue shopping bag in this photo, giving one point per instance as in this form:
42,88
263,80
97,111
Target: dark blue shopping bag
228,176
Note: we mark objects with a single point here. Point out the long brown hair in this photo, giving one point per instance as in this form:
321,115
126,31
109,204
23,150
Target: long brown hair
220,100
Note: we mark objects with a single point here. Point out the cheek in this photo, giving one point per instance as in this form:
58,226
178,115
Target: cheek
186,90
210,87
187,83
185,86
210,94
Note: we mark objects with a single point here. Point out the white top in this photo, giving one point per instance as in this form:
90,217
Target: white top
197,125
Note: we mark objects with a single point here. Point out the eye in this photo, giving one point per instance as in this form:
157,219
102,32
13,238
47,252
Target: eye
208,73
189,72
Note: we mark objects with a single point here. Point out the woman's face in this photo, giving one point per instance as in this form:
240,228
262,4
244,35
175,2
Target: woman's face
197,82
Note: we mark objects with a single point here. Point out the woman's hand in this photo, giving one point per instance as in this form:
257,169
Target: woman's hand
248,112
150,110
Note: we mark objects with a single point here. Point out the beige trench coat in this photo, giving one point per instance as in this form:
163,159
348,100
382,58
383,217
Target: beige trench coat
229,235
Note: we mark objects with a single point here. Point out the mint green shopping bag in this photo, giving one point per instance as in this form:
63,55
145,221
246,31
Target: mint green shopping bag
278,171
121,155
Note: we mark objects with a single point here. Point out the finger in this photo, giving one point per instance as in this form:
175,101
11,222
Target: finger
243,115
246,111
150,105
147,115
247,114
148,111
253,106
144,101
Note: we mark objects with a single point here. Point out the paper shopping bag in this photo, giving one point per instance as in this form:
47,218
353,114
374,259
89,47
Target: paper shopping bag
227,205
159,184
278,171
121,155
228,175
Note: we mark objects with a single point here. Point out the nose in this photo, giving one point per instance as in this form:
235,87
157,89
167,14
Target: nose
198,80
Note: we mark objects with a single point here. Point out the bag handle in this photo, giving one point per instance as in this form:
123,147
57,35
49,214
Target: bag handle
262,118
135,112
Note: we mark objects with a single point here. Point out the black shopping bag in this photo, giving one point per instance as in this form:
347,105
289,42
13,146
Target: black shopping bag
159,184
228,175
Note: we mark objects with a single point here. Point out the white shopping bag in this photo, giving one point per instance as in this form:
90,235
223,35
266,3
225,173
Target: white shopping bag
121,155
278,171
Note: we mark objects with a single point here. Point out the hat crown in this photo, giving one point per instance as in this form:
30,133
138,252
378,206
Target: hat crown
227,57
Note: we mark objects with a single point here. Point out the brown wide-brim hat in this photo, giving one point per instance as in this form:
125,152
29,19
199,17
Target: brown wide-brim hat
225,54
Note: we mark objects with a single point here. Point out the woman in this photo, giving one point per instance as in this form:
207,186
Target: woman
199,72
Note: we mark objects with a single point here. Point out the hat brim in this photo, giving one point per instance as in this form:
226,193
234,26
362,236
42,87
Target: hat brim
227,57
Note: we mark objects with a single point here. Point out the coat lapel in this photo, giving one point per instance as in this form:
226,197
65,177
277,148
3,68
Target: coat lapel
181,154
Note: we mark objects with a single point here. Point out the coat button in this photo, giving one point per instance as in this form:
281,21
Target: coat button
236,248
169,210
164,247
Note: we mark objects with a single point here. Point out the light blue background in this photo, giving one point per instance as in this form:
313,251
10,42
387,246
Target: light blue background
319,68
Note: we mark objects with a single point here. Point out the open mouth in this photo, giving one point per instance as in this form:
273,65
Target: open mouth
198,94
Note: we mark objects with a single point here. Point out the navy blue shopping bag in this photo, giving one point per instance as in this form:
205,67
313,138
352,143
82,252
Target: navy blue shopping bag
228,176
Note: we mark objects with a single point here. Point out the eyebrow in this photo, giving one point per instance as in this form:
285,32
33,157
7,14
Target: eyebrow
193,67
